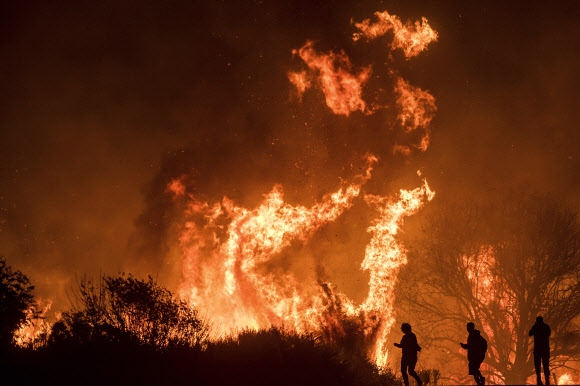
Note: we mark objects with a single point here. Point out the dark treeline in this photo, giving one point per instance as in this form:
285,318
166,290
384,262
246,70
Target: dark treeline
269,357
129,331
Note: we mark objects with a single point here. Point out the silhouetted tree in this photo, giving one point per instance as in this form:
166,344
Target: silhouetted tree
499,263
16,302
124,309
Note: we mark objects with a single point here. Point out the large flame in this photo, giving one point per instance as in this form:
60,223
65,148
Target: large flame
384,255
228,250
416,110
225,245
36,328
342,88
411,38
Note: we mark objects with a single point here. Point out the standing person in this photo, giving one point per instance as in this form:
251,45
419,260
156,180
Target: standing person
476,347
409,359
541,333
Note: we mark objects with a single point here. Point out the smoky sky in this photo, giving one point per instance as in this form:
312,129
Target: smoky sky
104,103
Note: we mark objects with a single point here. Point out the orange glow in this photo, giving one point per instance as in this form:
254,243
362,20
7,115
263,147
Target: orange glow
29,333
342,89
300,81
225,246
566,379
221,261
411,38
491,290
416,110
176,187
384,255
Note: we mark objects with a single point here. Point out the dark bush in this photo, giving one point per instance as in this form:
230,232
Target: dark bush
16,302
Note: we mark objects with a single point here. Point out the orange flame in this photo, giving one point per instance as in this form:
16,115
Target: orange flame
220,269
411,38
223,259
490,289
417,109
176,187
342,89
300,81
226,248
384,255
566,379
30,332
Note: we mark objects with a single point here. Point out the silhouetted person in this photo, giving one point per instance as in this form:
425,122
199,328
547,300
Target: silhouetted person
476,347
541,333
409,359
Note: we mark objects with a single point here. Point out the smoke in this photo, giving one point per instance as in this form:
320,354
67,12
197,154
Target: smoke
104,105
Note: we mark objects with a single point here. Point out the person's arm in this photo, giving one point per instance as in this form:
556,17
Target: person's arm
400,345
532,330
468,344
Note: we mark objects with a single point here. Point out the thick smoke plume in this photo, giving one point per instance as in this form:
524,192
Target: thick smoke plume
104,105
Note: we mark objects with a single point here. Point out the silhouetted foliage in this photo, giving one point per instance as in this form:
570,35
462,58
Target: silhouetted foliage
276,357
429,376
126,331
127,310
16,302
257,358
499,263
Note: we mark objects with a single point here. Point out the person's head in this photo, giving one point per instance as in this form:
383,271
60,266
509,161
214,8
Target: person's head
470,327
406,328
539,319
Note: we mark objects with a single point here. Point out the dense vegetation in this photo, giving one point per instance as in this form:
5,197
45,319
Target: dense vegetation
127,331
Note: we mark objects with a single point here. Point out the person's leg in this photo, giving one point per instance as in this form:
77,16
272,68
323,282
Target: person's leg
479,379
537,364
546,366
473,370
414,374
404,372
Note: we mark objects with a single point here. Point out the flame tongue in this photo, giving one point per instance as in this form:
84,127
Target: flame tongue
384,255
411,38
224,248
221,277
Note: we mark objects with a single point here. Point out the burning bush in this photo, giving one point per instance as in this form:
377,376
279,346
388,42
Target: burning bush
124,309
16,302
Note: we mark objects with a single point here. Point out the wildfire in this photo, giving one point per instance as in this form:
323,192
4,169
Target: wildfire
566,379
342,89
228,250
411,38
224,257
384,255
300,81
491,290
37,327
417,108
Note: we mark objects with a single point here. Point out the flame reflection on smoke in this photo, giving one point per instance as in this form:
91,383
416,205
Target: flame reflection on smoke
226,247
